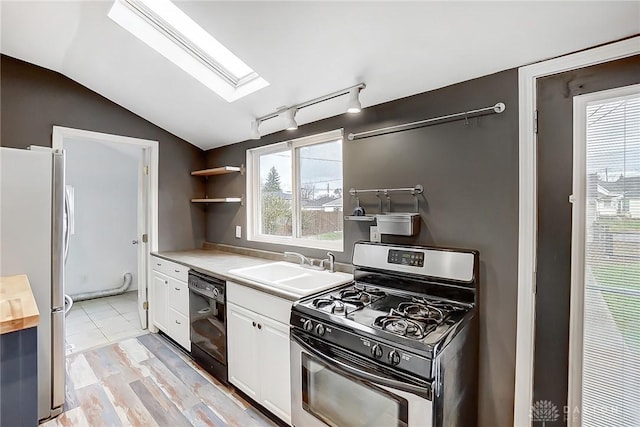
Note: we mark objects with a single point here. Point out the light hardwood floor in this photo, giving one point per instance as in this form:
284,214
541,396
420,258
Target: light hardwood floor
145,381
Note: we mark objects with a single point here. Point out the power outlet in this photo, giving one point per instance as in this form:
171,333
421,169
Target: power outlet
374,235
238,231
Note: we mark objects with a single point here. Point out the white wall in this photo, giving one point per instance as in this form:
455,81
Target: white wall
105,181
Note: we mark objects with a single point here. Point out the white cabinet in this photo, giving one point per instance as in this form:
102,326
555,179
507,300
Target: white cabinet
275,383
258,347
242,343
158,300
169,300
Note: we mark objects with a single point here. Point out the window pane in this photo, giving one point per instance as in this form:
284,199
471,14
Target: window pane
275,194
611,364
321,191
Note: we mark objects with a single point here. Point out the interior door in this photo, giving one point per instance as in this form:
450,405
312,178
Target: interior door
143,245
555,97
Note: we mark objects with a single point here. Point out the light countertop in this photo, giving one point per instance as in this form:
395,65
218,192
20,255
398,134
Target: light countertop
218,263
18,309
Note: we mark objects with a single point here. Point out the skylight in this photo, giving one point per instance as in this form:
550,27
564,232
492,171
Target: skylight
169,31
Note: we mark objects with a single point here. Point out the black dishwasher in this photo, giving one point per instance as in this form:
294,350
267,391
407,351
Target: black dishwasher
207,319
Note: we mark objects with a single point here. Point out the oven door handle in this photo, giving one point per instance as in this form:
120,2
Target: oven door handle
424,391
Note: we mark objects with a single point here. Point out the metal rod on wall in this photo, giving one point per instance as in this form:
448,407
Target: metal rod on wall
418,189
495,109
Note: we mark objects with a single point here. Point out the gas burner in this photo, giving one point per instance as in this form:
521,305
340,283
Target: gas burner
420,312
370,290
331,304
360,295
400,325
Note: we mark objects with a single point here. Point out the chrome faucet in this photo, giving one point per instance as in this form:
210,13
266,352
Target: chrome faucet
303,259
332,262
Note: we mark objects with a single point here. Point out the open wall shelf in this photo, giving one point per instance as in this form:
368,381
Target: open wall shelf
220,200
222,170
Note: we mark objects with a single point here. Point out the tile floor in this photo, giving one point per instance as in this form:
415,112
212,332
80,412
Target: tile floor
101,321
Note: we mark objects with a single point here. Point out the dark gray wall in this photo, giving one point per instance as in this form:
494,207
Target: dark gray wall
470,175
34,99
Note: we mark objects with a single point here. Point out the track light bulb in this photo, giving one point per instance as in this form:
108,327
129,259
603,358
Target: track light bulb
353,104
289,119
255,129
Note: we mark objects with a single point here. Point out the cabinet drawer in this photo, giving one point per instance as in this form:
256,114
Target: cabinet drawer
179,296
268,305
171,269
179,329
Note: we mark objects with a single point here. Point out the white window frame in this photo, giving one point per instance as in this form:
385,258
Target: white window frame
253,191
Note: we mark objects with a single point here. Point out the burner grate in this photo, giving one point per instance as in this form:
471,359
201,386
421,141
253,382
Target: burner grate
417,318
348,300
400,325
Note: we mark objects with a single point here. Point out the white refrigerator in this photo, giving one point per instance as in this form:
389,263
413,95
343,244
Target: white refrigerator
32,203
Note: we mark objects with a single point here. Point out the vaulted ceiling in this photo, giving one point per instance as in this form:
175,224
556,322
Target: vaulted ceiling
304,50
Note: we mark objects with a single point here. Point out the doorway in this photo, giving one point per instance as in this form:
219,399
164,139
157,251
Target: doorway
547,93
111,212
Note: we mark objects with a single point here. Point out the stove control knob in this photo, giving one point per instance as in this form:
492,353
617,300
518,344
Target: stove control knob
394,357
376,351
307,325
319,329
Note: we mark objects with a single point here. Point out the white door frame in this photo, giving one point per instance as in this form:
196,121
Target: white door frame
527,206
60,134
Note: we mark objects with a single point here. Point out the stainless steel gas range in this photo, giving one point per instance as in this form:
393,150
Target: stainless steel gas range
397,347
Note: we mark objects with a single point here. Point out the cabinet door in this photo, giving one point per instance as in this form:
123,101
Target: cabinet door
242,350
275,365
178,296
159,299
179,329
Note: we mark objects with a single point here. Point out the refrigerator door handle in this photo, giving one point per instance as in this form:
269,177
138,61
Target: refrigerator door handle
57,232
58,370
67,222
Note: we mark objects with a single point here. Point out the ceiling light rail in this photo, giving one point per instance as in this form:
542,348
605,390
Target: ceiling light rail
465,115
288,113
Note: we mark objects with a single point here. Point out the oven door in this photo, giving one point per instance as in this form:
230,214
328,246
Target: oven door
332,387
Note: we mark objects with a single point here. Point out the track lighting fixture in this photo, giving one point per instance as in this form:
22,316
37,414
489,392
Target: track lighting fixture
289,117
288,113
353,104
255,129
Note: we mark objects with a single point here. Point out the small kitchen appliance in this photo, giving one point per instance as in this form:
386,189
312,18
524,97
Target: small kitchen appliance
208,323
397,347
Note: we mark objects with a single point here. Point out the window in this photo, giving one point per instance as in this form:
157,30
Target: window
295,192
605,347
169,31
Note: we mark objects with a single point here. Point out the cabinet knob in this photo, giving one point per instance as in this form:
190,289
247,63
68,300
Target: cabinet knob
177,271
259,326
254,324
166,283
177,289
178,323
